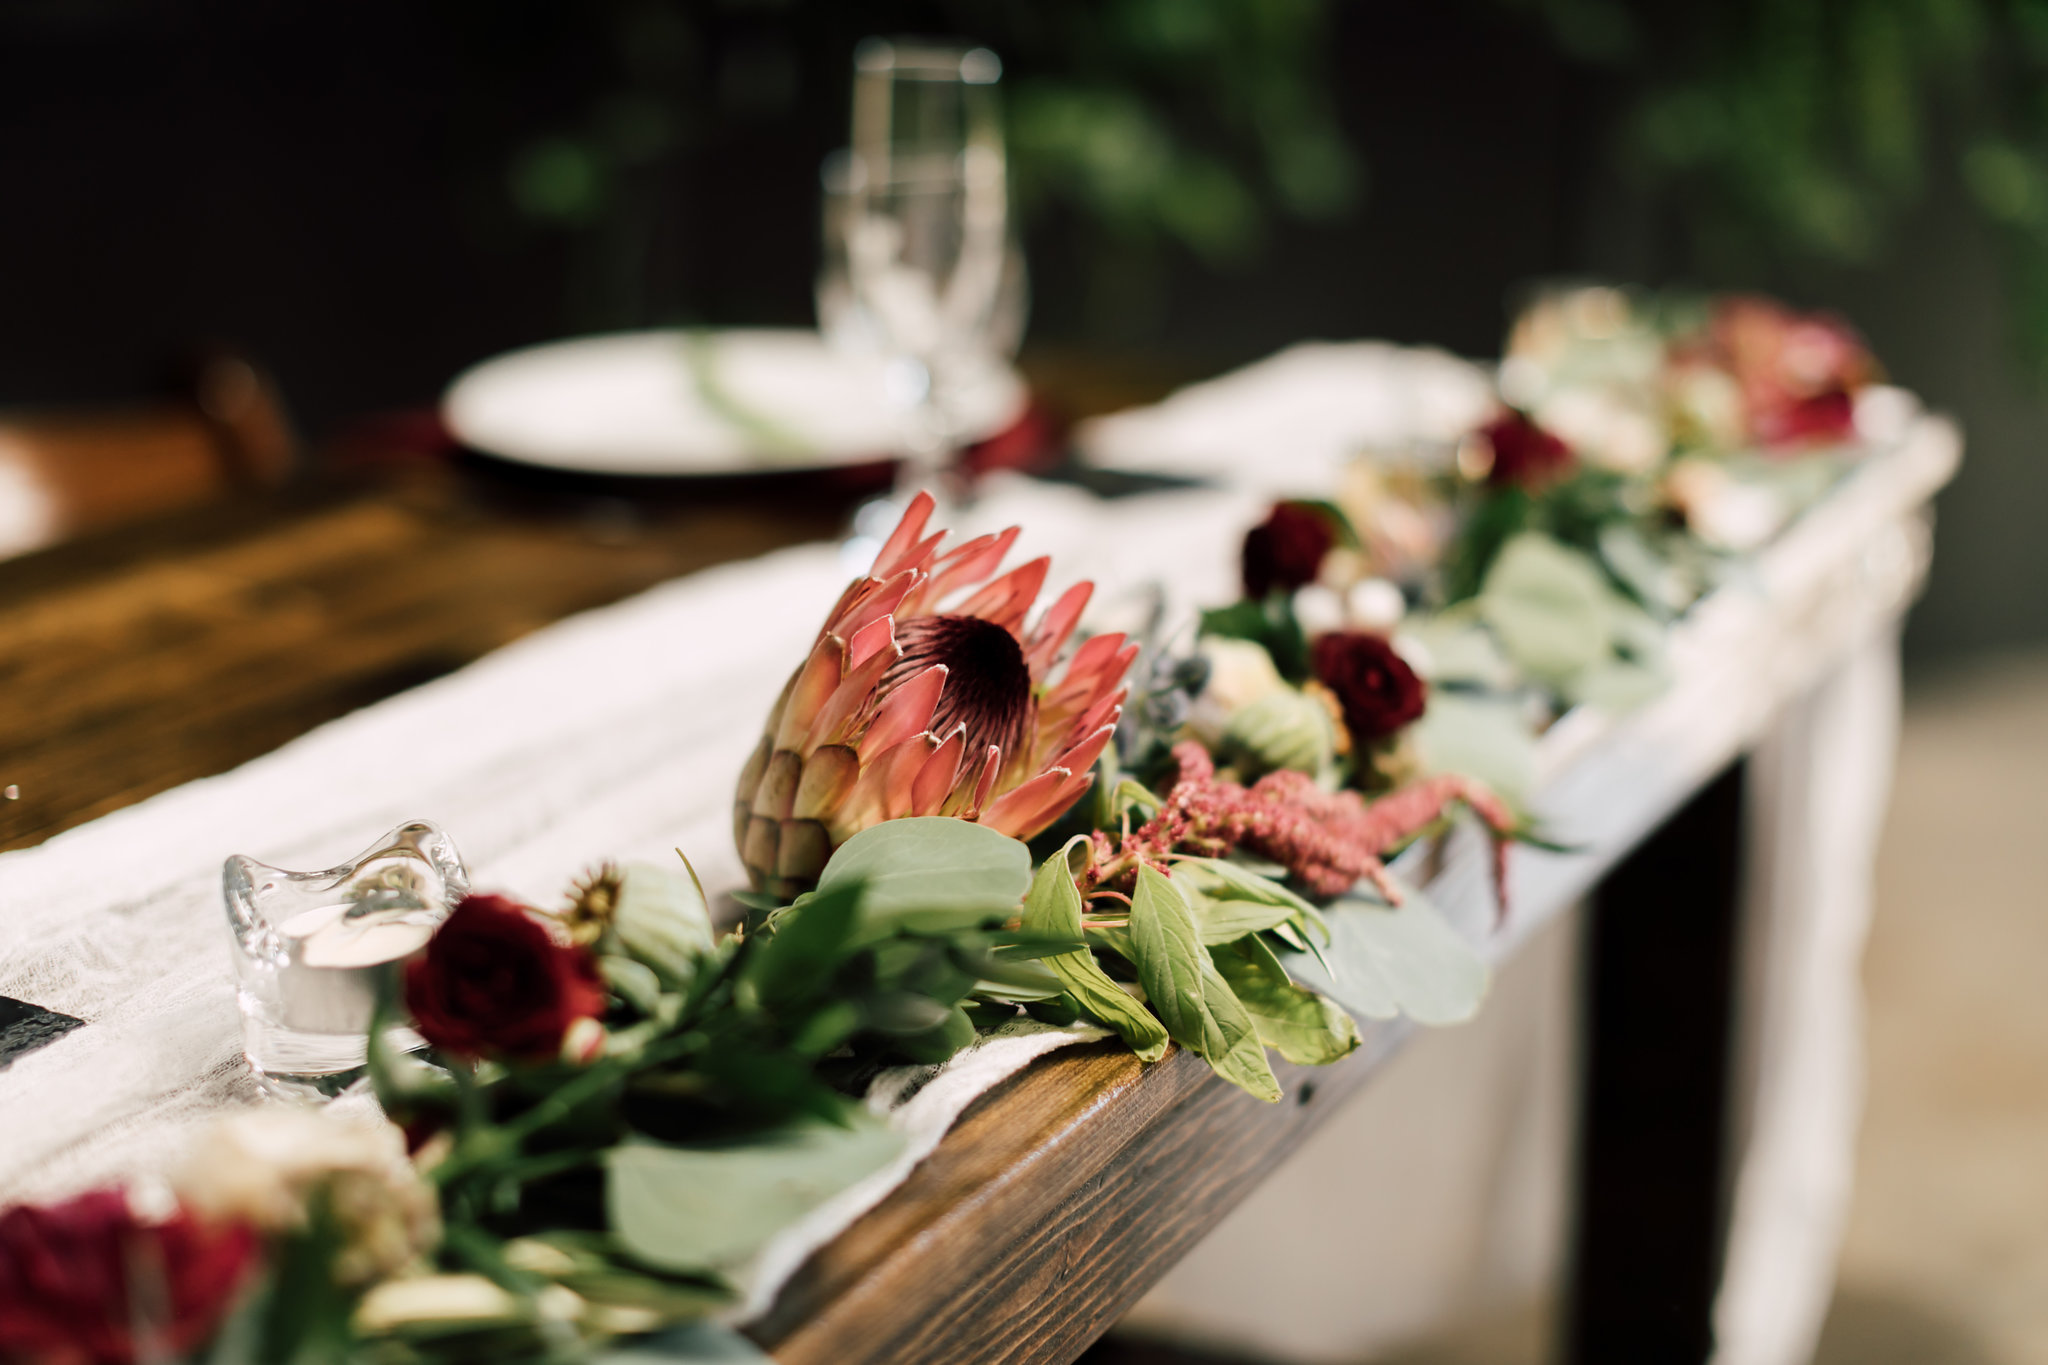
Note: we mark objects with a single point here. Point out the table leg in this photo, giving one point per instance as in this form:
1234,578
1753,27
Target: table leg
1654,1162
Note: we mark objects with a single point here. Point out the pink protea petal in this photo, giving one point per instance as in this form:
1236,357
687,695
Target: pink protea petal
873,607
896,774
1015,808
904,536
992,764
873,636
935,780
843,708
1056,805
815,682
907,712
1006,601
1094,660
1082,756
971,563
1105,711
1054,627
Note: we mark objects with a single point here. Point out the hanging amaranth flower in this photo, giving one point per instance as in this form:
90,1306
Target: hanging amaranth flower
911,704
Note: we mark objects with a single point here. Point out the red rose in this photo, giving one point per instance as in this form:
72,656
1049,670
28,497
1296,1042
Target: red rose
1286,550
65,1291
1377,689
1798,372
492,983
1524,454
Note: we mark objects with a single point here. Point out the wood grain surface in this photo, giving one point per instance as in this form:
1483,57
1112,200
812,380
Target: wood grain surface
1059,1198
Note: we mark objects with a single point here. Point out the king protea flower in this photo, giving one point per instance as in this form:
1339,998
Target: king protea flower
926,695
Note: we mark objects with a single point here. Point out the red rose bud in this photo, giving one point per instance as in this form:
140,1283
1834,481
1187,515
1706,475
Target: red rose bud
1286,550
1376,688
86,1282
492,983
1524,454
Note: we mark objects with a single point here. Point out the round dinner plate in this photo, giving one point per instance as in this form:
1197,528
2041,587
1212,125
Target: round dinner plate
698,402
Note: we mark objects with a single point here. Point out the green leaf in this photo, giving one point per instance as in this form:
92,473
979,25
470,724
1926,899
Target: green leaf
1169,957
1550,606
1233,1047
1192,1000
1486,737
662,920
1054,907
1307,1028
809,941
1230,901
699,1343
1386,961
710,1208
930,874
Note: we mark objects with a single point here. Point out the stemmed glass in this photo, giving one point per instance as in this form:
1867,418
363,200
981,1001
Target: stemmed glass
917,227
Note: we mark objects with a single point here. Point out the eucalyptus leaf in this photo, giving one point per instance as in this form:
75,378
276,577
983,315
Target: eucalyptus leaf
1551,607
930,874
1487,737
662,920
1390,960
1307,1028
707,1209
1054,907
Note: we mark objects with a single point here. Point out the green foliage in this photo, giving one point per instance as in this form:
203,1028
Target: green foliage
1192,1000
1054,909
1387,960
710,1207
1270,625
931,874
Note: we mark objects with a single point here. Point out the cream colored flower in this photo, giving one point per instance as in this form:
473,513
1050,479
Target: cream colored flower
264,1166
1240,673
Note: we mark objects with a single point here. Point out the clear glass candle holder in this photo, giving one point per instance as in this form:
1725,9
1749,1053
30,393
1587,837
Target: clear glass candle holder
312,950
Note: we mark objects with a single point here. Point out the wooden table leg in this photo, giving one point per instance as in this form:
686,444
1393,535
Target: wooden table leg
1654,1154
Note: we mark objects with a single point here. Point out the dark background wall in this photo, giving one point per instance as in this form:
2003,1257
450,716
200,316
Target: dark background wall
326,187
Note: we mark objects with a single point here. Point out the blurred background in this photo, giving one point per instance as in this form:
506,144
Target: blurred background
369,198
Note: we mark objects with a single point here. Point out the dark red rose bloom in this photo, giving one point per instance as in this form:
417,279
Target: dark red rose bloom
1524,454
71,1287
493,984
1377,689
1286,550
1798,372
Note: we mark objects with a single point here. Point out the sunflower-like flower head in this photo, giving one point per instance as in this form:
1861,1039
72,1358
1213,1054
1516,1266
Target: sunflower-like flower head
926,695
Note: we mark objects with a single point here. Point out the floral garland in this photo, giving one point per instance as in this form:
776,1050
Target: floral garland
954,822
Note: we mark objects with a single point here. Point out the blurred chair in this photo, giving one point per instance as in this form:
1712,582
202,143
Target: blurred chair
65,473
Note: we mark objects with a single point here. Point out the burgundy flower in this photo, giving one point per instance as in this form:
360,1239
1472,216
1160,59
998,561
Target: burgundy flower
1286,550
1524,454
492,983
1798,372
86,1282
1377,689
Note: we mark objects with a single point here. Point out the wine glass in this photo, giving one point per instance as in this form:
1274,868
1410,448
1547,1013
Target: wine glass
919,261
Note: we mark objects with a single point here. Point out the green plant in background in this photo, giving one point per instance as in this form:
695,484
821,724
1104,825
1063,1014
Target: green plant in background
1806,129
1133,124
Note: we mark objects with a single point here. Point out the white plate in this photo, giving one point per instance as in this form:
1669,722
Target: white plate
696,402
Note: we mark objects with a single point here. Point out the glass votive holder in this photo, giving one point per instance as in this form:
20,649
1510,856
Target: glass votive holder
312,950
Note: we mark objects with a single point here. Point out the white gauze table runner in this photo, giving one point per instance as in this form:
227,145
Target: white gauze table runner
615,734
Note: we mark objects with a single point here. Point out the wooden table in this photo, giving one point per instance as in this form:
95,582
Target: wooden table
137,662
